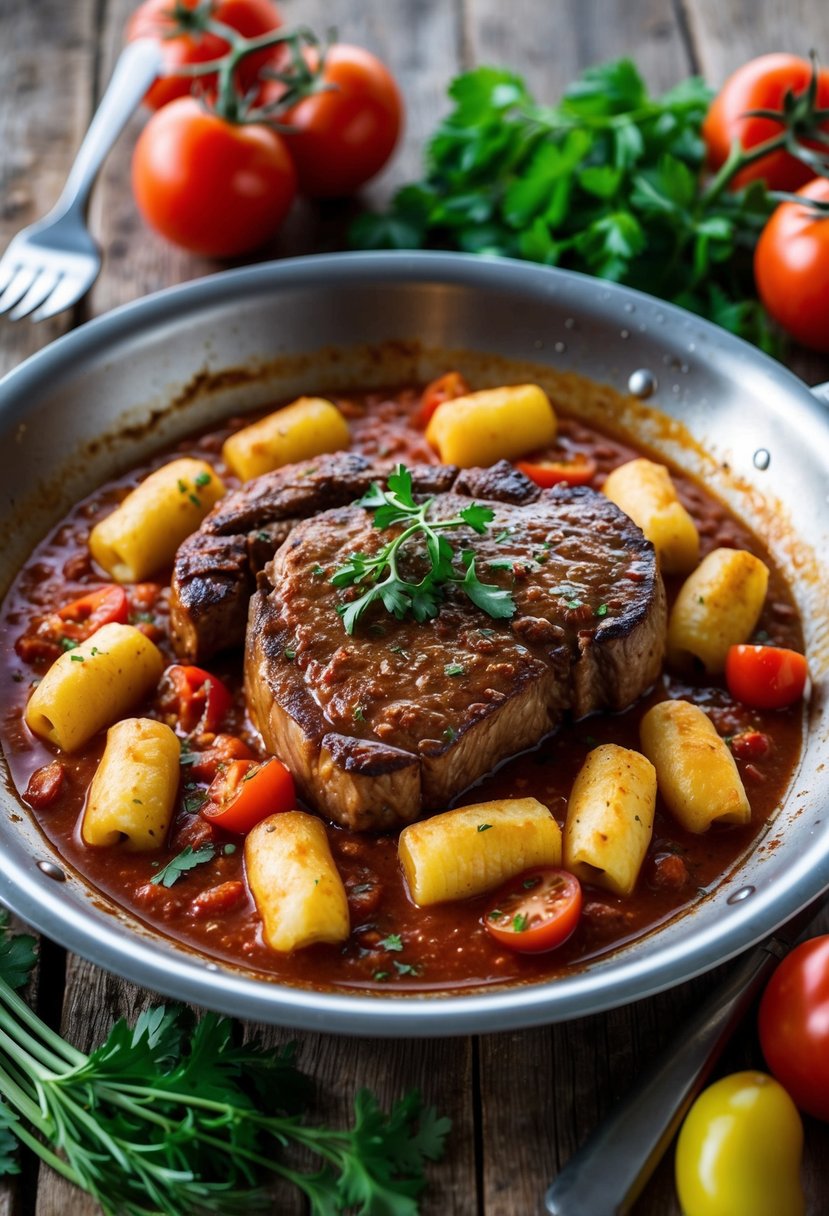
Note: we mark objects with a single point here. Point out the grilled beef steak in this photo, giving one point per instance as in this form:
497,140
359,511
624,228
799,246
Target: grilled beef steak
401,716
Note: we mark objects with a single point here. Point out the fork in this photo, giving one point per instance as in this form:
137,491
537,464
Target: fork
52,263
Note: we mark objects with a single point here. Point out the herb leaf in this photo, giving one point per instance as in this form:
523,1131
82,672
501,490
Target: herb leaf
17,955
186,860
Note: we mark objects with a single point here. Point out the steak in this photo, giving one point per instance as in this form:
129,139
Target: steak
397,719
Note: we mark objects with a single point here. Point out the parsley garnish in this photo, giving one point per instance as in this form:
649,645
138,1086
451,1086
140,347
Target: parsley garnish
393,942
450,734
178,1115
202,479
602,610
76,658
381,576
186,860
520,922
359,716
68,644
406,968
454,669
483,827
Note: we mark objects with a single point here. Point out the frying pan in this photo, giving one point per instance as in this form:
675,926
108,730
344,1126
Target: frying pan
104,396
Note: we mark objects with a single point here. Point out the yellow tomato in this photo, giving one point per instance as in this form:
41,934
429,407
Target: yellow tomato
739,1150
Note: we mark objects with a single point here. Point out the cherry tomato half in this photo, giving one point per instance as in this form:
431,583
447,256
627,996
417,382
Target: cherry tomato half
760,84
213,187
791,268
447,387
196,698
344,135
536,911
80,619
794,1025
576,472
247,792
765,677
153,19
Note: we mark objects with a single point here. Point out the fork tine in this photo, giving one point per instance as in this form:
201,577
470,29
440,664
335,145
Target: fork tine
68,290
18,287
8,268
43,286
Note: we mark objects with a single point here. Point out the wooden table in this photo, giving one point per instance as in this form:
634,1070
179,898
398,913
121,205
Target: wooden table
521,1102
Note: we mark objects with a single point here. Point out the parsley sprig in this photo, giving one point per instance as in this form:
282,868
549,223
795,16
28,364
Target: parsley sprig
381,575
176,1118
610,182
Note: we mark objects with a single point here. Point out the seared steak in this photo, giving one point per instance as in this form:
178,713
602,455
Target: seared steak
401,716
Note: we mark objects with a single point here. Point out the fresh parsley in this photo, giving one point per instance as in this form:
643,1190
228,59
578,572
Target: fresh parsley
610,181
186,860
393,942
180,1117
381,575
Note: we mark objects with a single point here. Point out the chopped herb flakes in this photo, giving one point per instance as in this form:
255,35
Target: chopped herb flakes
520,923
483,827
68,643
406,968
602,610
289,653
76,658
454,669
359,716
450,734
379,976
202,479
393,942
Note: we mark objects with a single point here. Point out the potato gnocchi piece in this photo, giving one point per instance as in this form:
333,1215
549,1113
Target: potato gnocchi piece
91,686
645,491
718,606
306,428
134,789
610,818
141,536
493,424
695,771
475,848
294,882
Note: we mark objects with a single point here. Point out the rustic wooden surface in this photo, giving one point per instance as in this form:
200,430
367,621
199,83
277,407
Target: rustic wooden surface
521,1102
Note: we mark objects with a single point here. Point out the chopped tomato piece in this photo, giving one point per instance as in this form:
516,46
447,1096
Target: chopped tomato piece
536,911
218,899
445,388
576,472
765,677
80,619
203,766
247,792
196,698
750,745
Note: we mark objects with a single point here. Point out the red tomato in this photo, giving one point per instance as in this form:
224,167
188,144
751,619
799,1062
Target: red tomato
197,698
791,268
247,792
211,186
765,677
345,135
760,84
447,387
576,472
203,766
794,1025
750,745
80,619
250,17
536,911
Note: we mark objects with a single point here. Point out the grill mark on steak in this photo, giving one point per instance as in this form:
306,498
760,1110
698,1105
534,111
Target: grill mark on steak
376,728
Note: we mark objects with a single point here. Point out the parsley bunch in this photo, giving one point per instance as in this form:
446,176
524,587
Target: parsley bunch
396,505
177,1118
608,182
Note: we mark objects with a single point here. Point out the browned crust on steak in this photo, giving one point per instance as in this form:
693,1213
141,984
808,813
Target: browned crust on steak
376,728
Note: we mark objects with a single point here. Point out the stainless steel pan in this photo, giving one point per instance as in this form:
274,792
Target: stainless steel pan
102,397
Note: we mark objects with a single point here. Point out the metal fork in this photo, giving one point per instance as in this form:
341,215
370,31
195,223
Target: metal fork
52,263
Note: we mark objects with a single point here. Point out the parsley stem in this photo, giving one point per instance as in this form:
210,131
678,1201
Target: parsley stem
14,1094
44,1065
24,1014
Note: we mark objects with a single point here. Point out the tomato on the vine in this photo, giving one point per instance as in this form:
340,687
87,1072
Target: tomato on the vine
344,134
154,19
794,1025
791,268
214,187
536,911
761,84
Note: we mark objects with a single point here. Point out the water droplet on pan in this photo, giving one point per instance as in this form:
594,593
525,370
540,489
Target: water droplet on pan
52,871
560,348
738,896
761,458
642,383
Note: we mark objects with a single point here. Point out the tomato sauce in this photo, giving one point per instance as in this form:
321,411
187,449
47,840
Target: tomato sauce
394,945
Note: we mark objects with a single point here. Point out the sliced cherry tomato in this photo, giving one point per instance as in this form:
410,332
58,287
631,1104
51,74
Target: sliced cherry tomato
80,619
447,387
750,745
203,766
761,84
791,268
536,911
343,135
247,792
154,19
576,472
197,698
214,187
794,1025
765,677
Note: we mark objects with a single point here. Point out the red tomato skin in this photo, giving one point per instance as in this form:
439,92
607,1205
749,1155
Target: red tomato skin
447,387
83,616
765,677
791,269
546,473
548,935
793,1023
760,84
346,134
250,17
212,187
246,792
